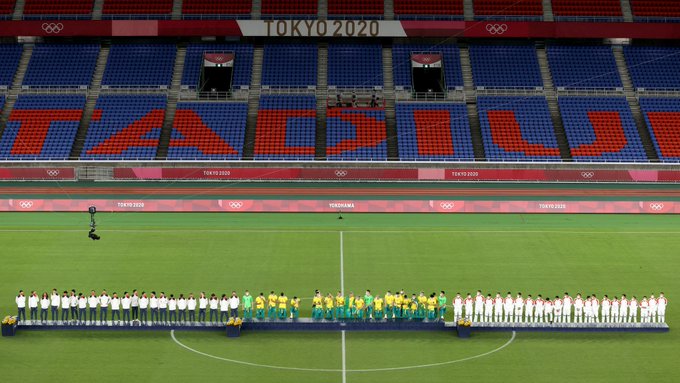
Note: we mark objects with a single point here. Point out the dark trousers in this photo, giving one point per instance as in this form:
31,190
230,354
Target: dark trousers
43,315
163,315
82,315
143,315
126,315
201,315
114,314
154,315
64,315
213,314
225,315
135,312
182,316
21,312
93,314
192,315
173,316
74,312
34,313
55,314
103,314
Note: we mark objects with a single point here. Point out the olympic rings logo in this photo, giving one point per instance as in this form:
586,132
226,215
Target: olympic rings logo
25,204
587,174
496,29
656,206
446,205
341,173
52,28
235,204
53,172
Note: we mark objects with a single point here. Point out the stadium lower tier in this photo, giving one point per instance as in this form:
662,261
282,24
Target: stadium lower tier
512,128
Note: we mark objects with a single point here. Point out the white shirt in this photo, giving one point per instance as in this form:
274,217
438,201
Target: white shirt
134,301
33,301
162,303
633,304
153,303
213,304
234,302
508,303
172,304
74,300
125,302
578,304
458,303
143,303
93,301
661,303
21,301
224,304
65,302
566,302
548,307
529,303
498,302
54,300
104,301
202,303
191,304
519,302
539,305
44,303
182,304
115,303
557,304
82,302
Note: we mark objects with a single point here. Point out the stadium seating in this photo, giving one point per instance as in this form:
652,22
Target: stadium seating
243,63
42,127
601,129
401,63
525,9
135,9
61,65
208,131
581,9
517,128
355,66
505,66
10,54
286,127
125,127
583,67
663,121
356,7
216,8
437,9
289,65
655,9
653,67
356,134
74,9
6,8
290,7
140,65
433,132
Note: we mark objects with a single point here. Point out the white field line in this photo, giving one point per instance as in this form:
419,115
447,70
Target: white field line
344,359
506,344
342,290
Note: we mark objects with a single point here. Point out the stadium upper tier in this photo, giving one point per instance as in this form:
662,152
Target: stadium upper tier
562,10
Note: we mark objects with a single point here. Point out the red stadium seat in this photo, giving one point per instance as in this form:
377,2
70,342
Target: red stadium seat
356,7
655,8
61,7
216,7
135,7
508,8
587,8
429,7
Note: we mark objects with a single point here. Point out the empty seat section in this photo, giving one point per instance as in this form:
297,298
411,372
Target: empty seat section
656,9
601,129
600,9
356,134
290,7
401,60
221,8
486,8
208,131
243,63
433,132
158,9
450,9
662,116
517,129
583,67
61,8
42,127
61,65
505,66
356,7
289,65
286,127
355,66
125,127
10,54
6,9
653,67
140,65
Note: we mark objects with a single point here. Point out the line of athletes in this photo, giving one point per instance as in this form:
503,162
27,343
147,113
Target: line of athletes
168,309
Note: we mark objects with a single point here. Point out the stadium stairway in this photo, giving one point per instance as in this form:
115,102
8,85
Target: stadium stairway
390,109
253,102
321,100
468,10
471,103
177,9
14,91
322,12
97,9
173,98
92,96
634,104
547,11
256,11
551,98
389,11
19,10
626,11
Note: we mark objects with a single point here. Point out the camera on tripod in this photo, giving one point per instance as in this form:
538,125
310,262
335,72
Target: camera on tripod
93,225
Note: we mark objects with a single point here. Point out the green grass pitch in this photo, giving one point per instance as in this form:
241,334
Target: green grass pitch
298,253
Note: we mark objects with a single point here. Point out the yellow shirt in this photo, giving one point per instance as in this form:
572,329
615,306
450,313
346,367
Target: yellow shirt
414,305
295,303
259,302
378,303
360,303
431,303
340,301
389,300
422,300
398,299
328,301
272,300
316,301
283,302
405,303
352,302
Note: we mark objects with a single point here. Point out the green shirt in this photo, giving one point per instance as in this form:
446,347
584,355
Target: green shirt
368,299
247,301
442,300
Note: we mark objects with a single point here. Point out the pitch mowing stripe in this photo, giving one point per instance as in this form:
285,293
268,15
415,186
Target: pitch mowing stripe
335,231
506,344
342,290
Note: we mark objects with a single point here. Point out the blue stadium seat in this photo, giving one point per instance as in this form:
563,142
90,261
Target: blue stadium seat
290,65
355,66
286,127
140,65
356,134
61,65
10,54
505,66
583,67
208,131
243,63
401,64
653,67
662,116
